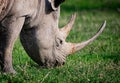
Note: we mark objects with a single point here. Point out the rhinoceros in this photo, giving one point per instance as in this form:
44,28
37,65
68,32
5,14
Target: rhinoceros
37,23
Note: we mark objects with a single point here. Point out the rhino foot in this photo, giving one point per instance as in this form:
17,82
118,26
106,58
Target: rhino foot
9,71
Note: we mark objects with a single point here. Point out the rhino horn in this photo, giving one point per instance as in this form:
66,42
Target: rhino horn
66,29
78,46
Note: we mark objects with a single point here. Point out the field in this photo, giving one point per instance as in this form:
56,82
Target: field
99,62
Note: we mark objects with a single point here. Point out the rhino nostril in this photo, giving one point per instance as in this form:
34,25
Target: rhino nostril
59,63
56,63
63,63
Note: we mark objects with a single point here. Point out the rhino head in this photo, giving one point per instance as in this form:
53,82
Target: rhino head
45,42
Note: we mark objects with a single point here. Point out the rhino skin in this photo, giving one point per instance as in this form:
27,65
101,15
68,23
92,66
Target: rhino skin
37,23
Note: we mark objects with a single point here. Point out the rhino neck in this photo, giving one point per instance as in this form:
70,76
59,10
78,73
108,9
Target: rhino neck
36,17
43,13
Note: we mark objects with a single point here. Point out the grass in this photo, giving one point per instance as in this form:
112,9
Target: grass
97,63
90,4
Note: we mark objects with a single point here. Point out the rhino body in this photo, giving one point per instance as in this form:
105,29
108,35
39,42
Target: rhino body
37,23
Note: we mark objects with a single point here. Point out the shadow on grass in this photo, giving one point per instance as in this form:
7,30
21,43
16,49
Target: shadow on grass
37,66
114,57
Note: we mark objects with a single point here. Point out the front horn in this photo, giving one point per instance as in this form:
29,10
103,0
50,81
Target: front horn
78,46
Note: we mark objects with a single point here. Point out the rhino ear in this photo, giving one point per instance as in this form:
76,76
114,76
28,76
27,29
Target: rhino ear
55,3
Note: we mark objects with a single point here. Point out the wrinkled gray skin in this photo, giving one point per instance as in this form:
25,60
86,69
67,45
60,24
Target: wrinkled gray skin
37,23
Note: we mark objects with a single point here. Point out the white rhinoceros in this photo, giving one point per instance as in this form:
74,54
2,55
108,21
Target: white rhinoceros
37,23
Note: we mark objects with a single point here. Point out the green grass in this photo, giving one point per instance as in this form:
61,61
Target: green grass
97,63
90,4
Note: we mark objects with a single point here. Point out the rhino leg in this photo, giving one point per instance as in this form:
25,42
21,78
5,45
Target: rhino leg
10,28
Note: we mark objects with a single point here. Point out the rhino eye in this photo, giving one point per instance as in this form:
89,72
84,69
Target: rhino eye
59,42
